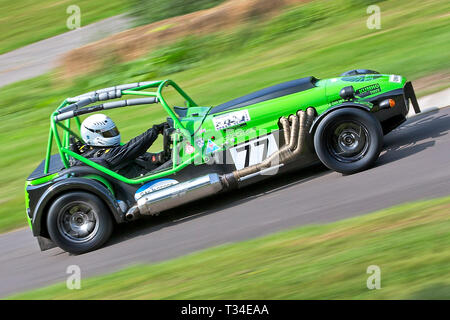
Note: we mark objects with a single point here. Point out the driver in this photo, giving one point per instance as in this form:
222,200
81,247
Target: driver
102,145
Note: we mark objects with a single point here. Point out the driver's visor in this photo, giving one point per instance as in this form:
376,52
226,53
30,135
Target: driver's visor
108,133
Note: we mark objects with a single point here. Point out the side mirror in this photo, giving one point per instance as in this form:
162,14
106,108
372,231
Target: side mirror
347,93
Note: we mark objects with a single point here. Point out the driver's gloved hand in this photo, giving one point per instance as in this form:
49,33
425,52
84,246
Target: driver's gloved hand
160,127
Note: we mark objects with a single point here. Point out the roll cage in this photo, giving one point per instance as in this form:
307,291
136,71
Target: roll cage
72,108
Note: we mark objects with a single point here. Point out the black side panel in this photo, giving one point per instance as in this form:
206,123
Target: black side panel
55,165
269,93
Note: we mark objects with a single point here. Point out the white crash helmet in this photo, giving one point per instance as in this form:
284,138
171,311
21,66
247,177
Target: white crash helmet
99,130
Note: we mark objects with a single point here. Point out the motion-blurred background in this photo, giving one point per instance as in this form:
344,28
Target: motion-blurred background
215,49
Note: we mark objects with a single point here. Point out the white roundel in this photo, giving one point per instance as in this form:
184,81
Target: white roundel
99,130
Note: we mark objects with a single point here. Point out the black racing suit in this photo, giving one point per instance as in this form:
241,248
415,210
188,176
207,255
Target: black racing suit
129,159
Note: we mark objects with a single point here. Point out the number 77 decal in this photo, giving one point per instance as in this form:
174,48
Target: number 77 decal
253,152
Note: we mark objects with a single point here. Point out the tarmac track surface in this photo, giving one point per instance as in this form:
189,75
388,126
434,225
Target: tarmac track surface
415,164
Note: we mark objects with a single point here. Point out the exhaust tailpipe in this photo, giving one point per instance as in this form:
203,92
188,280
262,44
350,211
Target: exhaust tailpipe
132,214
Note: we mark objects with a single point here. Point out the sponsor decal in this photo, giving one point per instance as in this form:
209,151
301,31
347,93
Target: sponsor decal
395,78
231,119
253,152
200,143
334,102
211,146
189,149
152,186
368,90
202,131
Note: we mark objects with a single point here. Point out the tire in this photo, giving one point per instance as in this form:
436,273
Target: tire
79,222
348,140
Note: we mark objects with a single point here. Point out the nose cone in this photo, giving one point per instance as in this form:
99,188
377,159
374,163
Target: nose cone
365,85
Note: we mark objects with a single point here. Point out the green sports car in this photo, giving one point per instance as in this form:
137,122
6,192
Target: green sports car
208,149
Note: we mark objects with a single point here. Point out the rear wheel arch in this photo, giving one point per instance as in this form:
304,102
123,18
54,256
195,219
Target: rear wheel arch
66,187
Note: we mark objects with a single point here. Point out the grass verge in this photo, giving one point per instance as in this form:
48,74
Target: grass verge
26,21
408,242
411,42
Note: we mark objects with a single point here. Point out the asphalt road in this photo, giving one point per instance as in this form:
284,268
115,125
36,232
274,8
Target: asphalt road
414,165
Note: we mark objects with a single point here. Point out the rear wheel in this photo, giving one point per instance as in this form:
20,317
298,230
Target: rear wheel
348,140
79,222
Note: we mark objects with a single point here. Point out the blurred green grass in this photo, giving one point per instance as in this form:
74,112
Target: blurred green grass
215,68
409,243
150,11
26,21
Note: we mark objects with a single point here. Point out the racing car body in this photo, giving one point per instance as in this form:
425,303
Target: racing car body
207,150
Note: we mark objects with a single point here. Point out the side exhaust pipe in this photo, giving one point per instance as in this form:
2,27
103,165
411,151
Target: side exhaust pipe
175,195
294,136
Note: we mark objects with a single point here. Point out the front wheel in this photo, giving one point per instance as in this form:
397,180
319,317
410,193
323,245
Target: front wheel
79,222
348,140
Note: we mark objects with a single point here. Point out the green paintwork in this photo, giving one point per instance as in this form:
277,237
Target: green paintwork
198,126
27,206
102,180
42,180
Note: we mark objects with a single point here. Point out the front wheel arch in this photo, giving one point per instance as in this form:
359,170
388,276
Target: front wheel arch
322,116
